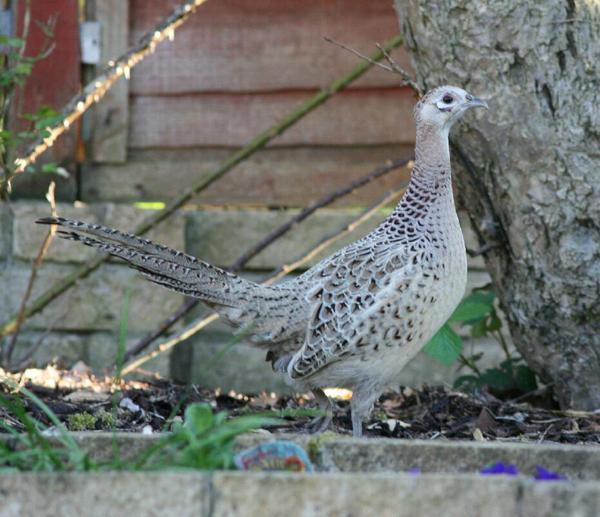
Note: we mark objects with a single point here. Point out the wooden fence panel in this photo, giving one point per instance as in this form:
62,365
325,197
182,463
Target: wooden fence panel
357,117
111,114
273,177
262,45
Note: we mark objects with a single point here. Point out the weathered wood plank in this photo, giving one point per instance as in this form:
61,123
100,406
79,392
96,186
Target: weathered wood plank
272,177
364,117
111,114
236,45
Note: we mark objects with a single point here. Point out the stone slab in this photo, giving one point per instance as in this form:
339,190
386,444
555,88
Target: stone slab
98,350
330,495
291,494
342,454
100,494
28,236
220,236
95,303
384,455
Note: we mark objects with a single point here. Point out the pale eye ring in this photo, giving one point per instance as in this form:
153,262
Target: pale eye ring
447,99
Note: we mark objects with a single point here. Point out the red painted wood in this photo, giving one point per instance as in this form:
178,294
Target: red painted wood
55,79
262,45
352,117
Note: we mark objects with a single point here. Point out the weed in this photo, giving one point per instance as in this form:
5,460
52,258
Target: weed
477,311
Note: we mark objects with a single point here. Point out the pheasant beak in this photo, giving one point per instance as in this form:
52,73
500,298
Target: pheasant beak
476,101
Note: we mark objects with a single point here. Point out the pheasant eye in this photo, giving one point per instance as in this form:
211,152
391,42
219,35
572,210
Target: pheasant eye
447,99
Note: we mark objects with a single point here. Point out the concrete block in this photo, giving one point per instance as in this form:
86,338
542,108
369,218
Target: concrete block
560,499
221,236
28,236
95,303
101,353
329,495
385,455
109,493
97,349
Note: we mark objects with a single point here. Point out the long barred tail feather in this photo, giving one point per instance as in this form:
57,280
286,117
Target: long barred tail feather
160,264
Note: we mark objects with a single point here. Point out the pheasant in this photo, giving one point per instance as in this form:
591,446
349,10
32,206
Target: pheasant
356,318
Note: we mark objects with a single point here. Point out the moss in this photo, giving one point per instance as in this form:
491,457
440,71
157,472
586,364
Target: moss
315,444
81,421
107,420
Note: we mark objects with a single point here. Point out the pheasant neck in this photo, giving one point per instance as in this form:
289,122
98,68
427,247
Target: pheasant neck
431,180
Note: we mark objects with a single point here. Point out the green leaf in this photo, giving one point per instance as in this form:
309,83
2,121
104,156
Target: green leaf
198,418
466,382
11,42
495,323
525,379
497,379
479,329
446,346
23,68
474,307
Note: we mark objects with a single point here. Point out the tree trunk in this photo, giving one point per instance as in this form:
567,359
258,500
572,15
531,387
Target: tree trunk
532,187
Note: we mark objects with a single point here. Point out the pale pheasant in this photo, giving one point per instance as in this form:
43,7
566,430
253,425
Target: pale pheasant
356,318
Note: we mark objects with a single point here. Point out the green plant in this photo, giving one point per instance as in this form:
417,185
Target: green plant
15,68
478,312
32,449
203,441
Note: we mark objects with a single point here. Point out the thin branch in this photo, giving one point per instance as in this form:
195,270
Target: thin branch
256,144
98,87
6,360
197,326
278,232
408,79
392,65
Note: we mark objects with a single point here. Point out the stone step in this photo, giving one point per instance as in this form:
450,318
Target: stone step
337,453
355,477
291,494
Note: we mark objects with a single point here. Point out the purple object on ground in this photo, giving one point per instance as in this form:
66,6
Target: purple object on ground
507,469
541,474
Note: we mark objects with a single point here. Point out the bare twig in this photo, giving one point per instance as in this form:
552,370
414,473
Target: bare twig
278,232
239,156
198,325
392,65
7,356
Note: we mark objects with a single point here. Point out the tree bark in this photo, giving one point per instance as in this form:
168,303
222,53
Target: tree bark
532,184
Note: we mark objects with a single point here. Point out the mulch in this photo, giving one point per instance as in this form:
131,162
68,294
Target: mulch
428,413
